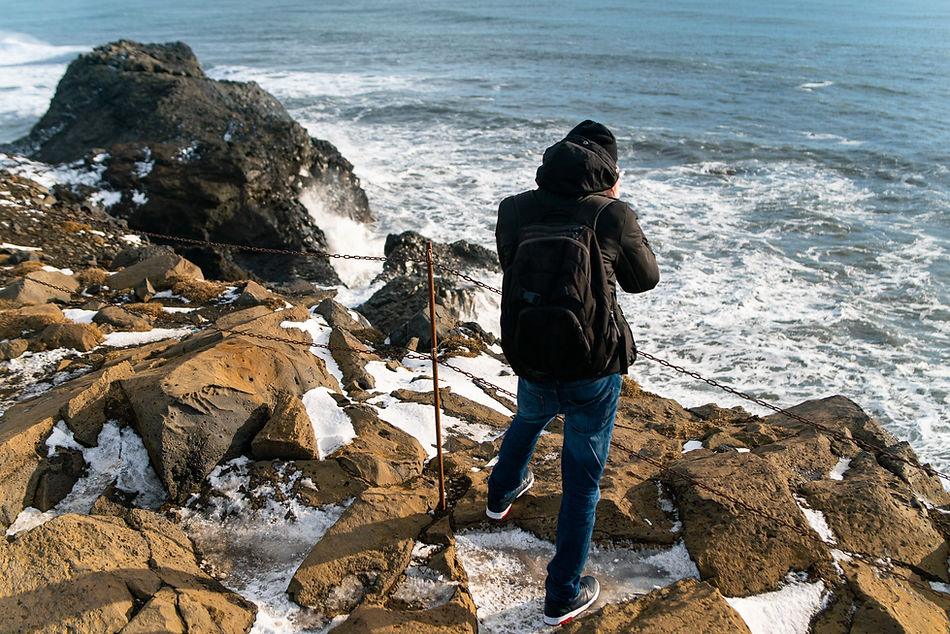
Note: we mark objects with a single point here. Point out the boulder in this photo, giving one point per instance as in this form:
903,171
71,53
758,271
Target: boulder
407,256
288,434
253,294
38,288
352,356
686,606
365,552
134,255
211,395
92,574
407,297
883,603
58,474
118,318
380,454
216,160
740,552
339,316
28,319
161,271
13,348
82,337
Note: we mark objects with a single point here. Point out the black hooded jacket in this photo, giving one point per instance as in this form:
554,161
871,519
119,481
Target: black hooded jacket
571,170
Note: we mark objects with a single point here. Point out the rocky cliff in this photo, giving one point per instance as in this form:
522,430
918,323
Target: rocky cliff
211,160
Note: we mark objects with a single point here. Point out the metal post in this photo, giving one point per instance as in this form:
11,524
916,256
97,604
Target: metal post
435,379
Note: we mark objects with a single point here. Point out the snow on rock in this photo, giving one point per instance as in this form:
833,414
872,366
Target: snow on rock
331,426
785,611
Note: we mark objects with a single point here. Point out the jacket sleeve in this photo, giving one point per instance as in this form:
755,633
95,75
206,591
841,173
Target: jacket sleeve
634,263
506,231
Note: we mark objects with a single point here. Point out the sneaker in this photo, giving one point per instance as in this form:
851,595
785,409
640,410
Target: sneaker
560,613
498,510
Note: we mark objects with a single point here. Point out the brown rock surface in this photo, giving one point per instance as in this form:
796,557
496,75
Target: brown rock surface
211,396
162,271
380,454
363,555
872,511
458,406
737,551
120,319
25,427
685,606
82,337
288,434
890,604
85,573
352,356
33,288
29,318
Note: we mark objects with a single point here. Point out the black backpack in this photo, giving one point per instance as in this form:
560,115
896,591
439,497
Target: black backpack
557,317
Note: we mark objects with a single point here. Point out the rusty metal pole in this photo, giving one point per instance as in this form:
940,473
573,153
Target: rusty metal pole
435,379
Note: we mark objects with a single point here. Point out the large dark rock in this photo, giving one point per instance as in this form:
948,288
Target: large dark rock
212,160
407,254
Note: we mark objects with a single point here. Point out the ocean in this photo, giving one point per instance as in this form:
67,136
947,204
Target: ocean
788,161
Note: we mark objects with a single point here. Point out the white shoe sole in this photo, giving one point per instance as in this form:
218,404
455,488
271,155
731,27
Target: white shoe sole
504,514
564,618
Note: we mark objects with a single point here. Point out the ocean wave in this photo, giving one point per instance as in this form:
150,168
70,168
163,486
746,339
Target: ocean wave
18,48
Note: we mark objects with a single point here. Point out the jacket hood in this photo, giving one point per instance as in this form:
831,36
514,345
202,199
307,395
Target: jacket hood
576,166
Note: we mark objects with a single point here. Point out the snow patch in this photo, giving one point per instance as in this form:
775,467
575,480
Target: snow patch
785,611
331,425
837,473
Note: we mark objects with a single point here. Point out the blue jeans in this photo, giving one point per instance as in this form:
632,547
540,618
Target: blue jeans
589,407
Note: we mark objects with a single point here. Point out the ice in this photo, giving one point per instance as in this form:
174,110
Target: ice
331,425
507,567
119,457
256,538
785,611
837,473
122,339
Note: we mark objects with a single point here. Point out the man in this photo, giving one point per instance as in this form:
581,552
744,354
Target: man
578,174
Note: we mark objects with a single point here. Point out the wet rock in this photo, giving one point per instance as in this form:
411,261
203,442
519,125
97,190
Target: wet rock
82,337
120,319
407,256
288,435
211,396
33,288
380,454
216,160
737,551
365,552
85,573
403,297
686,606
162,271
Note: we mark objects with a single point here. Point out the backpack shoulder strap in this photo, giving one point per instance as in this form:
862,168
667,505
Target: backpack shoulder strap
592,205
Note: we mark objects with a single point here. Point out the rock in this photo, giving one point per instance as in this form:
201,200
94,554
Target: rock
120,319
321,482
254,294
458,406
804,457
419,328
686,606
737,551
18,257
339,316
890,604
211,396
364,553
407,256
57,475
216,160
134,255
82,337
161,271
872,511
352,356
33,288
25,426
838,413
403,297
144,290
90,574
13,348
14,323
380,454
288,434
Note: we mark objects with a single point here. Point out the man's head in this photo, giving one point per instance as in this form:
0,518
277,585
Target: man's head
584,162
